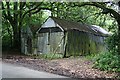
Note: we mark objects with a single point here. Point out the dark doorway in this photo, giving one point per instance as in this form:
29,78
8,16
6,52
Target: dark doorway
29,45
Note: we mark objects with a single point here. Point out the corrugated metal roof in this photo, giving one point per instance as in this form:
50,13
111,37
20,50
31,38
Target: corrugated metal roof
68,25
99,29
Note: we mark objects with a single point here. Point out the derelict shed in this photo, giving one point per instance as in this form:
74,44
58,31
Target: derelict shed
28,40
62,36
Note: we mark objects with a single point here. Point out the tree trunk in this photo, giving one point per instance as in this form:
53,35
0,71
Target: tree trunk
16,29
10,34
119,37
16,39
119,29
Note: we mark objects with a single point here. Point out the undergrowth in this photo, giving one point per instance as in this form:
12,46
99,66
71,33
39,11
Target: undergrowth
107,61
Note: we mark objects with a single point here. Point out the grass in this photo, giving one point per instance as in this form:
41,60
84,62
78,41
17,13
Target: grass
48,56
90,56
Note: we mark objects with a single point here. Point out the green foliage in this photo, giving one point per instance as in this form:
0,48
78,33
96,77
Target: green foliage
48,56
6,35
6,41
107,61
113,42
90,56
36,19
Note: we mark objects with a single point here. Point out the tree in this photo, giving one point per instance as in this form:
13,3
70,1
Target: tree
15,12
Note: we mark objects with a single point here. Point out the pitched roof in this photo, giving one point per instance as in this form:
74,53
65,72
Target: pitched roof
68,25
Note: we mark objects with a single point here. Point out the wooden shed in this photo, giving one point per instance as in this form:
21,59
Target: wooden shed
28,39
62,36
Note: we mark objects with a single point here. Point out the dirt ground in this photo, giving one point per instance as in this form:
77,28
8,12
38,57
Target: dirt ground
71,67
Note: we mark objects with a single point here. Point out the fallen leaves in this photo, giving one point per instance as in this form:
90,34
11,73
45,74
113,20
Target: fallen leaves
72,67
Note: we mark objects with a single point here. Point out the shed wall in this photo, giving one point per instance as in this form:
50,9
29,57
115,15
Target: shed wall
78,43
50,42
82,43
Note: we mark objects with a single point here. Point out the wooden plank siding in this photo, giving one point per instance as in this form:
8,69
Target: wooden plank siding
50,42
82,43
78,43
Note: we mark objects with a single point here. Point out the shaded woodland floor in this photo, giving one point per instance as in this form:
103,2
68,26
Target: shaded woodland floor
71,67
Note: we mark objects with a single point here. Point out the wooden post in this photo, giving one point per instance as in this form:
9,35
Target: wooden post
65,44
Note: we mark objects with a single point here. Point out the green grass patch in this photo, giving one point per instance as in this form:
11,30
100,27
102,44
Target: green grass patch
90,56
48,56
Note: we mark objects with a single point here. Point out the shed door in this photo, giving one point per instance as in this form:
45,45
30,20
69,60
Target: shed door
56,42
43,43
50,42
29,45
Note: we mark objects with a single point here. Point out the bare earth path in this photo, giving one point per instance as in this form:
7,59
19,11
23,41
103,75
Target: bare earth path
71,67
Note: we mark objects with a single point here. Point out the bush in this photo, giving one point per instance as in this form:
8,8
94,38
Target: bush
113,42
107,61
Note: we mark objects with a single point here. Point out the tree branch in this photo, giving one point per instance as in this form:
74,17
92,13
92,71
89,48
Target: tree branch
91,4
8,12
108,10
8,8
40,10
22,4
15,9
5,15
31,10
91,15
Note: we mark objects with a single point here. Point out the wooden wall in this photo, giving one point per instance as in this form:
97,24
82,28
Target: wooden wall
82,43
50,42
78,43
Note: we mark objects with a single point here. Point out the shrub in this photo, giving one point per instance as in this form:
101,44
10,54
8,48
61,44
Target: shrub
113,42
107,61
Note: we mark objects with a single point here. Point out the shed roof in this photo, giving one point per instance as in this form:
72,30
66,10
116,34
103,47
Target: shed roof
70,25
